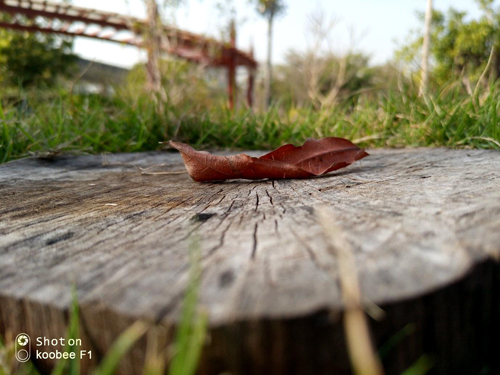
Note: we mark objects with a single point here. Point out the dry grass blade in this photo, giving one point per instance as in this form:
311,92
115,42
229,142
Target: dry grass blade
486,139
486,68
362,354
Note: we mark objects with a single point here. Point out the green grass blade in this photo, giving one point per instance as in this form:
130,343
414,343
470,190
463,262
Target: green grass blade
421,367
2,115
71,366
395,340
190,335
120,347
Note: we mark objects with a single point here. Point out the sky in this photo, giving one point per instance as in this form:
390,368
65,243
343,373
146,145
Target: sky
378,25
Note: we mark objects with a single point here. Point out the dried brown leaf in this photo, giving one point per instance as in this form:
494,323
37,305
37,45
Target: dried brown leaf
314,158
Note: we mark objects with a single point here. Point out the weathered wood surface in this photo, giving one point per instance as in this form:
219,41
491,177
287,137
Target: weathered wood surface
419,221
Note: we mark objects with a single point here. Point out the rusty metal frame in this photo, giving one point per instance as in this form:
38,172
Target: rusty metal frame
180,43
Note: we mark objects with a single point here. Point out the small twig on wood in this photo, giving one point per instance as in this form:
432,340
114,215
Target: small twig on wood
51,153
144,171
362,354
165,173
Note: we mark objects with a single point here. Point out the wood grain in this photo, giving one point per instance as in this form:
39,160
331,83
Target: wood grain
418,220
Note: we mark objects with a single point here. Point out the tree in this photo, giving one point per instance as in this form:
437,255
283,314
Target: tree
269,9
460,49
320,76
28,59
321,81
153,47
185,84
156,40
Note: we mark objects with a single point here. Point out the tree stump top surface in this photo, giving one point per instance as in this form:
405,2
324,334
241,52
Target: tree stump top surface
417,219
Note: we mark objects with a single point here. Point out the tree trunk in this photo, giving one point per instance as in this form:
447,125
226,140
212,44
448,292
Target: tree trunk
231,69
269,70
154,51
424,84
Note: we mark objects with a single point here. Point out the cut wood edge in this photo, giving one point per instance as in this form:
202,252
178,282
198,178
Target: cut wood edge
20,315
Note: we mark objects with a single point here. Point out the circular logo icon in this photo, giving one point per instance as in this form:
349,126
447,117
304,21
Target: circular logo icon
23,350
23,355
23,340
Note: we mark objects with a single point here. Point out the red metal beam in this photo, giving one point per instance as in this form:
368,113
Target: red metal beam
181,38
63,16
186,54
35,28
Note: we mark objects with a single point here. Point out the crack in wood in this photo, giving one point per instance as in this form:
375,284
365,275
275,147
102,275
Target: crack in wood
254,244
270,198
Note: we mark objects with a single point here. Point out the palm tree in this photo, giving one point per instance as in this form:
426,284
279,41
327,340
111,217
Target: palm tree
269,9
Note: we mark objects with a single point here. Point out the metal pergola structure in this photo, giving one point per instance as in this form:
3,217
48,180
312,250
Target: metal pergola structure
66,19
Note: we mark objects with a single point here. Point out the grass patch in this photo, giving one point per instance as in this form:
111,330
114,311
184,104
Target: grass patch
47,124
